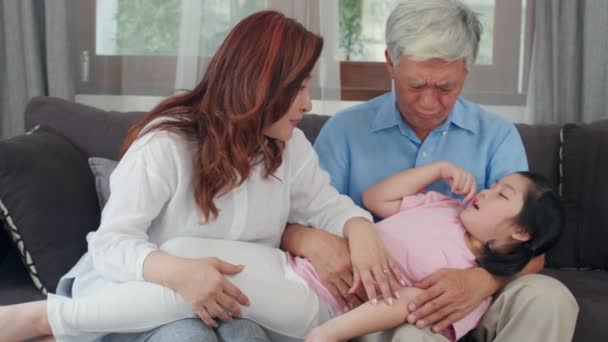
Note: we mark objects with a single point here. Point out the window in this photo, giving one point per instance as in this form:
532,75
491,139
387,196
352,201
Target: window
133,47
495,79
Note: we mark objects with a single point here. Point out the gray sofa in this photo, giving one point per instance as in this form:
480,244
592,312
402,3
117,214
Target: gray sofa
49,214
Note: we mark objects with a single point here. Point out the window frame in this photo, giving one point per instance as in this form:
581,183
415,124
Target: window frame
359,81
364,80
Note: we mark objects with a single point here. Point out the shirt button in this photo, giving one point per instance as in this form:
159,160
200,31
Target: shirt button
444,133
424,154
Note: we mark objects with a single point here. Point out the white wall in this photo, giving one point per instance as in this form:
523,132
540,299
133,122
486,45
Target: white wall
145,103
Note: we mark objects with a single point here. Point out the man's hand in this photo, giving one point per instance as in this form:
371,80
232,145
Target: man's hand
330,256
333,264
450,294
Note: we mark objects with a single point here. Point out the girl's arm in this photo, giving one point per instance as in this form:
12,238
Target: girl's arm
365,319
384,198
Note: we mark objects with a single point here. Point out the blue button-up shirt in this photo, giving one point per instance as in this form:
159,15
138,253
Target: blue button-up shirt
368,142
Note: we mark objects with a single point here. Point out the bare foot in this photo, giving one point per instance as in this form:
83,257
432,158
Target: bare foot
23,321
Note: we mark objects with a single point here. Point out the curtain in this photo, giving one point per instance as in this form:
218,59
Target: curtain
318,16
154,48
569,66
128,55
21,69
33,60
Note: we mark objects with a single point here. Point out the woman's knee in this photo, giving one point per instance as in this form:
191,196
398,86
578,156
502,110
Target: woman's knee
242,330
186,330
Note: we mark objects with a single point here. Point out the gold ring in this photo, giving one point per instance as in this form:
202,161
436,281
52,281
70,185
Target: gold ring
386,270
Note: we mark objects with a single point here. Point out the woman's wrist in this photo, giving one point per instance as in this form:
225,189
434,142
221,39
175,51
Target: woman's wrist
161,268
354,224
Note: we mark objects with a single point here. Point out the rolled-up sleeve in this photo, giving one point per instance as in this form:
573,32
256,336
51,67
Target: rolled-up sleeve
314,201
141,185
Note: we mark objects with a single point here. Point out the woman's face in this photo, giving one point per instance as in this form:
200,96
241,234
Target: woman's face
283,129
492,214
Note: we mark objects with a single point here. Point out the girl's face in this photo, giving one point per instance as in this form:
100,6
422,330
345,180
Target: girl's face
492,214
283,129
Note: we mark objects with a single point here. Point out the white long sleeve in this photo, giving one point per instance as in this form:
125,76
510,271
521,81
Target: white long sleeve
140,187
152,201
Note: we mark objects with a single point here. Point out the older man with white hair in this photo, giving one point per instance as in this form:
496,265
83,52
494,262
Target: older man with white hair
431,45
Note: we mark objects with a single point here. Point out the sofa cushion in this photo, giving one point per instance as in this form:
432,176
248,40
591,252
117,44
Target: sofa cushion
96,132
16,285
591,293
47,202
584,190
4,243
102,168
542,144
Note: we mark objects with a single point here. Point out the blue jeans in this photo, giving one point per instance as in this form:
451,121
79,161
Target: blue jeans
194,330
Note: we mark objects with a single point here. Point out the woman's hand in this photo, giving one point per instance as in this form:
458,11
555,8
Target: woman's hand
333,264
330,257
373,267
462,182
201,282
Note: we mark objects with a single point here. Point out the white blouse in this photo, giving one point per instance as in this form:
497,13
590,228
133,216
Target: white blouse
152,201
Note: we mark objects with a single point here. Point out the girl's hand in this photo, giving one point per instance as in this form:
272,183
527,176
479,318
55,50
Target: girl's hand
462,182
203,284
372,265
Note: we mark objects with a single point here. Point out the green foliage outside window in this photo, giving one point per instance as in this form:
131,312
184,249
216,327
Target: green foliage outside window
151,27
147,27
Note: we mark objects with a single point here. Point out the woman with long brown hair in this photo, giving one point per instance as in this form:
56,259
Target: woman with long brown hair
225,162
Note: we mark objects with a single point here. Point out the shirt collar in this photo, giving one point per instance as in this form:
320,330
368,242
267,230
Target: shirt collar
463,117
389,116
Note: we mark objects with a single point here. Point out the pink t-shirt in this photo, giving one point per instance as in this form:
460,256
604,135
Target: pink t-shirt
423,237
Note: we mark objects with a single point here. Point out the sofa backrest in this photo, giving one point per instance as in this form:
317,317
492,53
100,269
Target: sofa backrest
94,131
100,133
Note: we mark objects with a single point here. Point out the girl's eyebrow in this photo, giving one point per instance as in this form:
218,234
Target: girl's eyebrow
510,187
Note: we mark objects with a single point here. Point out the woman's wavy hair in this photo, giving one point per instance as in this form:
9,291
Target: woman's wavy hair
542,216
250,83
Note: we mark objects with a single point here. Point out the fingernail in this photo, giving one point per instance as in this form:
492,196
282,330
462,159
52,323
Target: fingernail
402,282
420,324
390,300
346,309
411,307
435,329
374,301
411,318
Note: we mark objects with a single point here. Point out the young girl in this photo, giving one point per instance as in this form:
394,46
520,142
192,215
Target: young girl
501,230
226,162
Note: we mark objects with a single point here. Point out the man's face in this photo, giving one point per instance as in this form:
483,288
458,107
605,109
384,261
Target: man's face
426,91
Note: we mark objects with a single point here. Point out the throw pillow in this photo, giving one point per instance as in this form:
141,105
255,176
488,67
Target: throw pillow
47,203
102,169
4,243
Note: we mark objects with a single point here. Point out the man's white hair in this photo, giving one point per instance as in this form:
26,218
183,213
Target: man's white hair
425,29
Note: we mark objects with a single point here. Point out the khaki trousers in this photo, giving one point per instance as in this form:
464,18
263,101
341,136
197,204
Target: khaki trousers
531,308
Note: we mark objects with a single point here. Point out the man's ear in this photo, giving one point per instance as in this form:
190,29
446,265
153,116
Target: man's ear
521,235
389,64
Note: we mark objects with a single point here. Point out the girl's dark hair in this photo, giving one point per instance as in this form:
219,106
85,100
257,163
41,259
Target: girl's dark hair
542,216
250,83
